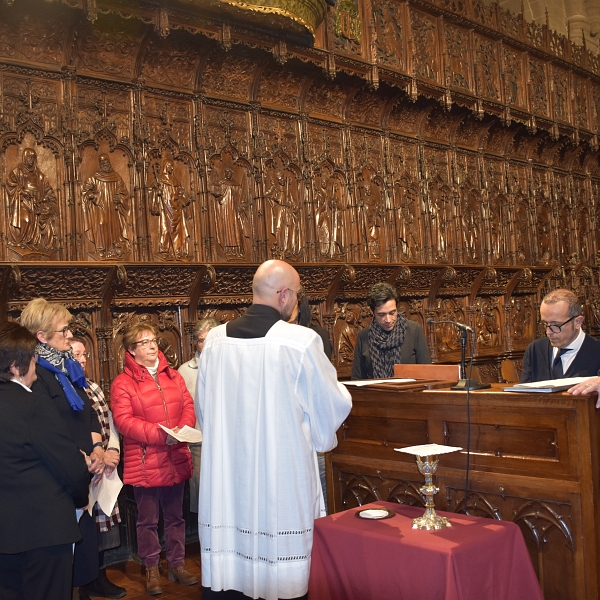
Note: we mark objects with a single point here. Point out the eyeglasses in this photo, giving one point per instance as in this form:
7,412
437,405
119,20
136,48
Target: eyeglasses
77,355
556,328
146,343
297,292
63,330
200,340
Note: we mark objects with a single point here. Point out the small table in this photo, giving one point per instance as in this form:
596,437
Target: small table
475,559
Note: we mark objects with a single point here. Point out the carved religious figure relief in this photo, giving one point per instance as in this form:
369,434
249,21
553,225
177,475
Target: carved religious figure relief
495,228
323,223
106,211
522,231
281,194
521,318
436,205
404,219
487,322
447,336
345,331
544,231
168,202
364,218
33,206
232,210
470,221
339,208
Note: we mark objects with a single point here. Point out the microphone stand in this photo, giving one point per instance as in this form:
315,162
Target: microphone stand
466,384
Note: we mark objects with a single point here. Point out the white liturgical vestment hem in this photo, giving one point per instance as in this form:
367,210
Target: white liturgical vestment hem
271,404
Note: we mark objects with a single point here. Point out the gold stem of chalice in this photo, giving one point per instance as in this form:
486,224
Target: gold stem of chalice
430,520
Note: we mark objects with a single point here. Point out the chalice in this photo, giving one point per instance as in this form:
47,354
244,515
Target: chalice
427,463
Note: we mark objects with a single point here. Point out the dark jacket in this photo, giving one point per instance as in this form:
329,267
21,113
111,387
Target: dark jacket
414,350
43,476
80,423
537,361
138,405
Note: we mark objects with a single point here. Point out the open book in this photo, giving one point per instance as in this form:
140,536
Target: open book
550,385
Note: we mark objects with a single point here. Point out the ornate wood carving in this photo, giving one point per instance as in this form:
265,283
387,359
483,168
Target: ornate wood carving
411,136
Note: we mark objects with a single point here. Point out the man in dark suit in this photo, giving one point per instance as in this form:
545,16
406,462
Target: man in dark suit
566,351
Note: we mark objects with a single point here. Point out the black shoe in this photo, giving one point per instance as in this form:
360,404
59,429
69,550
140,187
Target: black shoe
102,588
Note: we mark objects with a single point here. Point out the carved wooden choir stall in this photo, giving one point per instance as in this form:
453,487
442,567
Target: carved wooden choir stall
152,154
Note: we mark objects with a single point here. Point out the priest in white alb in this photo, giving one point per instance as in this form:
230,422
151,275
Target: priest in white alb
268,400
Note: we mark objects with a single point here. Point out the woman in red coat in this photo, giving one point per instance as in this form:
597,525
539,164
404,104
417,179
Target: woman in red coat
146,394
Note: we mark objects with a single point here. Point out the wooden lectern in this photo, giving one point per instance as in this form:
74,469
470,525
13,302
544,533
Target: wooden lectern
445,372
535,460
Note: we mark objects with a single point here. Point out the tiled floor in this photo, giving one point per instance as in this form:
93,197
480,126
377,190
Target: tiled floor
131,575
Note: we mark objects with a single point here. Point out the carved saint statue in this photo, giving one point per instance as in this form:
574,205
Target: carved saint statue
322,215
32,204
167,201
284,213
106,211
231,214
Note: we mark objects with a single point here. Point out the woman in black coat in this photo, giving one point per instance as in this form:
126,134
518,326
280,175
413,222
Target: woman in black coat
43,478
61,379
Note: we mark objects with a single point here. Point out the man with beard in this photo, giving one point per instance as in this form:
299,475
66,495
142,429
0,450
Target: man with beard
106,215
390,339
33,205
268,400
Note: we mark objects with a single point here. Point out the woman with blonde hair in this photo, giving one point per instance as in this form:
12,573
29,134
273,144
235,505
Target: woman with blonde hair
62,380
148,394
43,478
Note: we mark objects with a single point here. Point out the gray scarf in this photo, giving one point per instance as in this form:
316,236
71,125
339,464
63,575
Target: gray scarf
385,347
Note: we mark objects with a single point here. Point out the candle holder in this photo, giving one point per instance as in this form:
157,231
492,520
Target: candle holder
428,467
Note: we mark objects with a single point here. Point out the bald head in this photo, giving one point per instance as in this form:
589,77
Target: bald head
276,284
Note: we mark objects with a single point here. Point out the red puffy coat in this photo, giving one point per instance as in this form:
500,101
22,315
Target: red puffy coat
138,405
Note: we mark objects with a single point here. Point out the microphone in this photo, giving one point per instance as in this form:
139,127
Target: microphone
461,326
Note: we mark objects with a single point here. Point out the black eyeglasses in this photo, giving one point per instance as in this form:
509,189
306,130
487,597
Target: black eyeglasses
63,330
556,328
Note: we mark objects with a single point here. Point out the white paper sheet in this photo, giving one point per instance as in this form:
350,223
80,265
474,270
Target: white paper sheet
428,449
105,493
361,382
564,381
185,434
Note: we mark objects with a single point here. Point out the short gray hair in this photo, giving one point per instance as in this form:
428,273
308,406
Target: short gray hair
207,323
562,295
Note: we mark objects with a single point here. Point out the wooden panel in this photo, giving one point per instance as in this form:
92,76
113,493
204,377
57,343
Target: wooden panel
534,460
448,372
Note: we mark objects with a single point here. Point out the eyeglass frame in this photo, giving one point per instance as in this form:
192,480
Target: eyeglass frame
80,354
559,327
297,292
63,330
146,343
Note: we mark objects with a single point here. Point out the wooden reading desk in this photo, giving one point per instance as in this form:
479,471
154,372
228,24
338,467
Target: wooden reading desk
534,461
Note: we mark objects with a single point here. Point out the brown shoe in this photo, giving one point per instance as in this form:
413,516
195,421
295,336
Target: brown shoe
153,585
182,575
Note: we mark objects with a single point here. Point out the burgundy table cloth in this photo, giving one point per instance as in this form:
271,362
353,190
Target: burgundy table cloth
475,559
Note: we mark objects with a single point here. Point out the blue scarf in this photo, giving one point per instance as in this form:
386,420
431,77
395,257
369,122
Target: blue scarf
74,375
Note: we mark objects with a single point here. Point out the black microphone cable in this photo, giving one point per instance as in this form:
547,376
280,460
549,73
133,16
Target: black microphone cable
469,423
